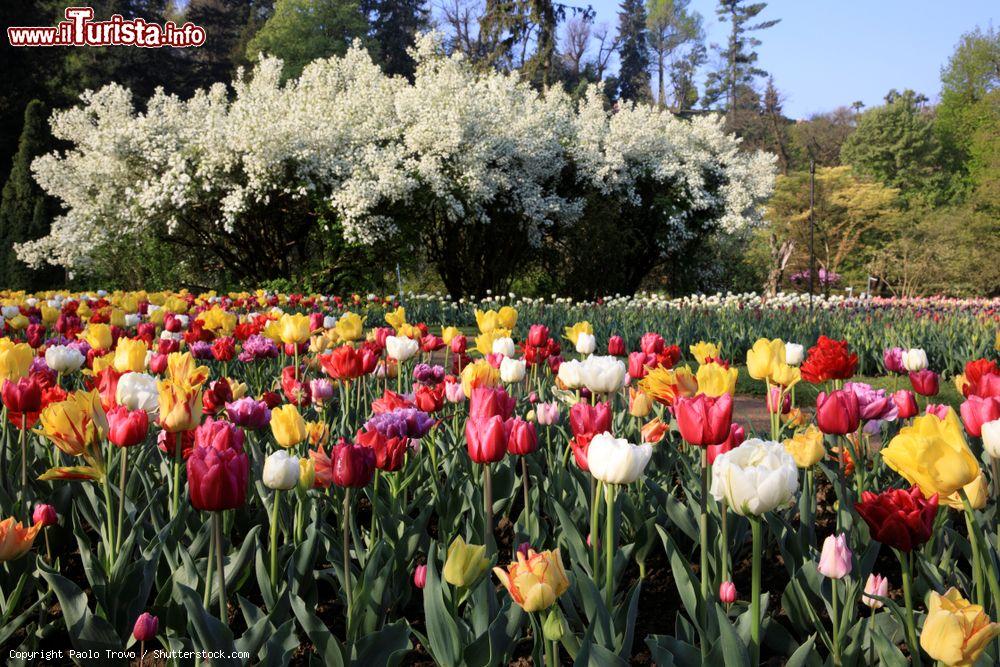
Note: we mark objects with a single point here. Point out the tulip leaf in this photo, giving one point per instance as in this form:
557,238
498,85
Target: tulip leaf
386,647
259,627
572,538
734,651
683,576
625,648
805,655
86,631
442,630
327,646
280,646
211,634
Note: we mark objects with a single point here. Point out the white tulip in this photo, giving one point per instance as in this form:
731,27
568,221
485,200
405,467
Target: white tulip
615,460
571,374
138,391
914,359
512,370
184,320
603,374
64,359
755,478
10,312
586,343
132,319
991,438
281,471
504,346
400,348
329,322
794,354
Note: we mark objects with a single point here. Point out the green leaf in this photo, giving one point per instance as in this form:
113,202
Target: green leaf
386,647
733,649
86,631
442,631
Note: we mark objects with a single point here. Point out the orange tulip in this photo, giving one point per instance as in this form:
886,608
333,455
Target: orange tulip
15,539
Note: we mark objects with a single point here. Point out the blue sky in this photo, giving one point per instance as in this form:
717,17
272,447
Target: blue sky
826,53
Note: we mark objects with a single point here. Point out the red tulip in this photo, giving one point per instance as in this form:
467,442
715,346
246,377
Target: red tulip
977,411
925,382
977,378
429,399
420,576
521,437
216,395
638,363
592,419
616,346
704,420
343,363
458,345
296,391
390,453
167,443
906,403
353,465
224,349
23,400
431,343
651,343
127,428
486,438
581,446
538,335
901,519
736,437
838,412
218,468
487,402
146,627
827,360
45,515
157,364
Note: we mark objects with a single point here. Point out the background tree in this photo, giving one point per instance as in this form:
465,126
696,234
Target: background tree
820,137
25,211
229,26
739,56
671,26
301,31
633,54
394,25
682,77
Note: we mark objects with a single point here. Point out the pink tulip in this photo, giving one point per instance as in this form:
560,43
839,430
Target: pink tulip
727,592
876,585
835,560
420,576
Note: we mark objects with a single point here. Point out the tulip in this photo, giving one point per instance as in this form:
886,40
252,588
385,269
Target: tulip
465,563
615,460
991,438
838,412
287,426
294,328
503,345
146,627
547,413
453,392
536,580
281,471
15,359
586,343
390,452
835,560
977,411
45,515
218,467
715,379
892,359
653,431
353,465
130,355
906,404
639,403
704,421
806,447
956,632
616,346
248,413
15,539
876,585
512,370
703,352
914,360
486,438
764,356
637,362
343,363
538,335
755,478
401,348
727,592
736,437
932,453
602,375
64,359
925,382
651,343
180,406
794,354
127,428
138,391
521,439
591,419
478,374
571,374
23,400
420,576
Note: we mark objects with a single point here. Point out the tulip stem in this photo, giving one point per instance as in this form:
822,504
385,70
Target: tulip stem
274,540
121,499
976,535
755,529
347,552
595,509
527,502
488,509
220,564
703,527
22,436
724,552
209,564
977,568
176,501
911,628
609,546
109,518
834,622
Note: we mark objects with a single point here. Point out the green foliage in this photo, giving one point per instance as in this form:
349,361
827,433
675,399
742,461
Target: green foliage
394,25
301,31
739,57
633,71
25,211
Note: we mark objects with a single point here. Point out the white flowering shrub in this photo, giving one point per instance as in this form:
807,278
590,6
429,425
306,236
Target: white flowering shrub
477,168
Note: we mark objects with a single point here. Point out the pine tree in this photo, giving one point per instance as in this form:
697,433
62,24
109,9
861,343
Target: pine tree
633,52
229,25
671,27
25,211
739,55
394,26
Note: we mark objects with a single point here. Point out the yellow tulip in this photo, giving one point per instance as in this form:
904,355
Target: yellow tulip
639,403
465,563
666,384
98,336
15,539
130,355
715,379
479,374
100,363
218,320
449,333
487,320
765,356
288,426
180,405
977,491
573,332
535,582
396,318
956,632
702,351
294,328
18,322
349,327
183,369
49,314
409,330
307,473
932,453
15,359
117,317
785,375
484,341
507,317
74,424
318,433
806,447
